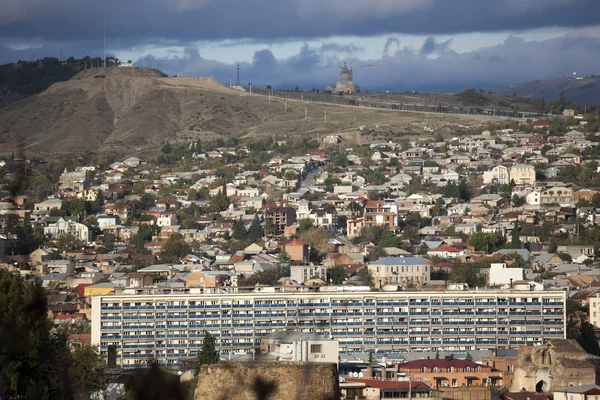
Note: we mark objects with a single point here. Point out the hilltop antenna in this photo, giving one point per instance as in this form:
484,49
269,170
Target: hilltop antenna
105,41
238,74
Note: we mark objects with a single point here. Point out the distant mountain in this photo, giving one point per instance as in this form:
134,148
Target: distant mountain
586,90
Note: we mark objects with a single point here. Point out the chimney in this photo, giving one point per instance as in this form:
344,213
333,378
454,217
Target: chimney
511,283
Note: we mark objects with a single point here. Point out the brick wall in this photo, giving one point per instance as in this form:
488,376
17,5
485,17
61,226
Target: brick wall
283,380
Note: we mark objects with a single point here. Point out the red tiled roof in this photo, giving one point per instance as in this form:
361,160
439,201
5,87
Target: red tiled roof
444,248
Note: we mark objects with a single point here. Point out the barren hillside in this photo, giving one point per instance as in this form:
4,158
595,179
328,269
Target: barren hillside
132,109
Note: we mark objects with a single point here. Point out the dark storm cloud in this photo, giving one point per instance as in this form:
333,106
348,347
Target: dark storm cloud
135,22
432,47
493,67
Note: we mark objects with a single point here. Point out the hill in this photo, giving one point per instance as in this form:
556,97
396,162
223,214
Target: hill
586,90
24,78
134,109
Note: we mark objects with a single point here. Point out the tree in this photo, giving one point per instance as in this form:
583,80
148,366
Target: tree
108,241
518,201
488,242
366,277
208,354
284,256
192,195
86,371
239,230
515,241
255,232
305,224
552,247
565,257
466,273
338,275
31,359
153,384
316,238
174,248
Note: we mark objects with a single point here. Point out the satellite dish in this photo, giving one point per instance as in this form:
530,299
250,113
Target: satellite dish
355,374
360,375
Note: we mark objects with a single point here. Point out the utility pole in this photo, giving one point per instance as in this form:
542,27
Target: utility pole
238,74
302,96
325,116
285,102
305,113
105,41
250,84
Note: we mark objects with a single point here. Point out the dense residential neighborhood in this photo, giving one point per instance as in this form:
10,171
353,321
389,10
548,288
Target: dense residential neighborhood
432,265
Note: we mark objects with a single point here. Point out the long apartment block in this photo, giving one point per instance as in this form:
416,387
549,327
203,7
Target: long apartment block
170,327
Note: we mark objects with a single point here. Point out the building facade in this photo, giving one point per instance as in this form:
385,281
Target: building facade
522,174
499,174
146,325
380,213
398,270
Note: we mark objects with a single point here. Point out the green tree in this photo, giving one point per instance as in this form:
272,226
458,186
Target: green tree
488,242
552,247
86,372
208,354
255,233
174,249
366,277
518,201
192,195
29,355
108,241
305,224
515,242
239,230
284,257
338,275
466,273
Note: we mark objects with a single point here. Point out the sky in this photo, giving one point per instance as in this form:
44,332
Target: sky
395,45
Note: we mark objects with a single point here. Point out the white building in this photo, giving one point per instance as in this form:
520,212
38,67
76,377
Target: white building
168,325
300,346
499,174
68,227
394,270
302,273
501,275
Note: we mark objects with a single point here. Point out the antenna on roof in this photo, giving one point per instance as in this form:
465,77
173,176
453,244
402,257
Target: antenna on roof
238,74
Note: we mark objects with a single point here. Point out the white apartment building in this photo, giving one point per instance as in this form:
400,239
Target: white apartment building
169,325
499,174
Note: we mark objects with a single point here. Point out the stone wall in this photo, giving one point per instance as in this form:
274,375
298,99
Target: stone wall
268,380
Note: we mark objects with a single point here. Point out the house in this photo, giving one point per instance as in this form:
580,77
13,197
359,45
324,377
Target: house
132,162
381,213
371,389
279,218
492,199
446,251
556,195
210,279
300,347
522,174
399,270
66,226
581,392
76,180
123,210
577,250
499,174
303,273
99,289
451,372
297,251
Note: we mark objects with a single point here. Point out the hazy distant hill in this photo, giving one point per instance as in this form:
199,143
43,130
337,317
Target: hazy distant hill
586,90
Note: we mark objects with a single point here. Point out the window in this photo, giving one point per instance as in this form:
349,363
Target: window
316,348
454,383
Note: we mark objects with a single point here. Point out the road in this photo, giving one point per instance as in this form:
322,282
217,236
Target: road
312,176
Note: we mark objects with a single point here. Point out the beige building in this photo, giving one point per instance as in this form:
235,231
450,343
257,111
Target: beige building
556,195
522,174
595,310
399,270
